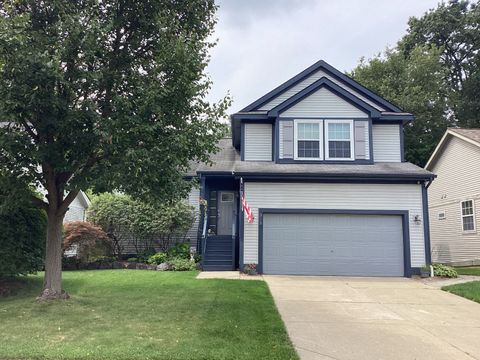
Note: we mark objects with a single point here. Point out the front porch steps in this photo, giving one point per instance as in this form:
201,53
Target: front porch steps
218,254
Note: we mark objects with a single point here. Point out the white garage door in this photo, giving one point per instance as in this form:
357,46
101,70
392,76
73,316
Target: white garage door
333,244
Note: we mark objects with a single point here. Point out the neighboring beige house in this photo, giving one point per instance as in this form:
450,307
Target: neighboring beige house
454,198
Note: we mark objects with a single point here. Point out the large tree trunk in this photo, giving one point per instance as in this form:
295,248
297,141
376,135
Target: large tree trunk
52,283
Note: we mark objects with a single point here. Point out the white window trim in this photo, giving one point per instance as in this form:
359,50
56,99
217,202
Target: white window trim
473,215
320,139
352,140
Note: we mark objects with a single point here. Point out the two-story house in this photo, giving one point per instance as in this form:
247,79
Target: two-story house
320,161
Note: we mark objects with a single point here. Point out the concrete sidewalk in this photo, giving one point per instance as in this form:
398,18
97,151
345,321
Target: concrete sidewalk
228,275
441,282
375,318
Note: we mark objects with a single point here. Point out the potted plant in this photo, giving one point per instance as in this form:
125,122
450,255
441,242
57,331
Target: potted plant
250,269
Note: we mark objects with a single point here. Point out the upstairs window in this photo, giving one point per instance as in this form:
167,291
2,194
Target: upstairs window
308,142
339,136
468,217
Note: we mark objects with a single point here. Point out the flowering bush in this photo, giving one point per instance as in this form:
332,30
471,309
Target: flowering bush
250,269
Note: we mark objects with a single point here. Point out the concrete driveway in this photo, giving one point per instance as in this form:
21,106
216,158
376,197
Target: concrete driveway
375,318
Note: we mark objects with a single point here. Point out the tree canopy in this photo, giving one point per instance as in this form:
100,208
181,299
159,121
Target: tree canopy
104,95
453,27
414,83
432,72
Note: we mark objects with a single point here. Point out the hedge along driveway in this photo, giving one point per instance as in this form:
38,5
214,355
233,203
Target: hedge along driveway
135,314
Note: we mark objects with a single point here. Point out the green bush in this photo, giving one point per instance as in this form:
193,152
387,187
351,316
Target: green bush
444,271
180,250
103,259
132,259
157,258
197,257
145,255
139,225
181,264
22,241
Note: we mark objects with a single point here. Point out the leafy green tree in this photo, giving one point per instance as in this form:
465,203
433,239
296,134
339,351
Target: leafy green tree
453,27
416,84
105,95
22,238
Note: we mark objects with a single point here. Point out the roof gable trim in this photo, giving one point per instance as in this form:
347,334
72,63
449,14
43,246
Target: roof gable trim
337,90
332,71
441,144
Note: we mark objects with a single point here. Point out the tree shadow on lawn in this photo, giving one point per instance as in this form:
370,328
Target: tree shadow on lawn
30,286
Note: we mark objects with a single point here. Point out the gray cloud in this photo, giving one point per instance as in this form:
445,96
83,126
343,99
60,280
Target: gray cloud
263,43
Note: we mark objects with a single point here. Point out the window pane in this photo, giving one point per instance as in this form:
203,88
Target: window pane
468,223
308,149
338,131
339,149
467,207
212,212
308,131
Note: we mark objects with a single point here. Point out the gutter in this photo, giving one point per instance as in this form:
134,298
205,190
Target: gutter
340,176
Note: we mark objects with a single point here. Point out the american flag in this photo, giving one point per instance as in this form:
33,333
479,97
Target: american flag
246,208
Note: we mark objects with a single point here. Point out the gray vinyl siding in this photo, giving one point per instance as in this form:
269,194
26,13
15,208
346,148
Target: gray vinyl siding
308,81
386,143
458,174
335,196
324,103
258,142
194,200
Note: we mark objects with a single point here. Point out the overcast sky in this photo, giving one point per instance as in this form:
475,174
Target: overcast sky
262,43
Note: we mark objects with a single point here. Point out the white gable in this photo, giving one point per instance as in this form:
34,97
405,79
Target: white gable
324,103
308,81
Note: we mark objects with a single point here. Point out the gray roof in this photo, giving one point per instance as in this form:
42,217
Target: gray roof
227,161
222,161
469,135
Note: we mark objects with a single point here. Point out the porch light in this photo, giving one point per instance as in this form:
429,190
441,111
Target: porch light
417,220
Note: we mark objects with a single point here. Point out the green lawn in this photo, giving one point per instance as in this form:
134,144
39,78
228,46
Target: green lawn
469,290
470,270
135,314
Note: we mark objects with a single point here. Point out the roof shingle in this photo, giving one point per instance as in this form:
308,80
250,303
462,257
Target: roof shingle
472,134
227,160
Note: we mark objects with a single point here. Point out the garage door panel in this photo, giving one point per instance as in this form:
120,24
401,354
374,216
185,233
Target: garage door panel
333,244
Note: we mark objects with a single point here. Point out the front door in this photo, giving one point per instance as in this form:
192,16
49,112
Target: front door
225,216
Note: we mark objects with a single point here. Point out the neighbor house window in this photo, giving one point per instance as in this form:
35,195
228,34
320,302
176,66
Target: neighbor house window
442,215
468,217
339,136
308,140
